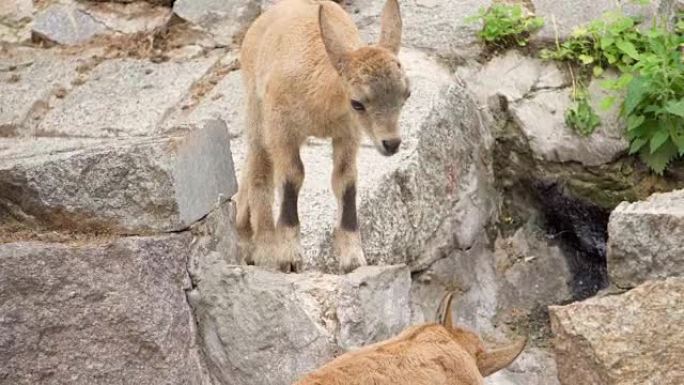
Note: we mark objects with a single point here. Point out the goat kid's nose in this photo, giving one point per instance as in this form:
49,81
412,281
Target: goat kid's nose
391,146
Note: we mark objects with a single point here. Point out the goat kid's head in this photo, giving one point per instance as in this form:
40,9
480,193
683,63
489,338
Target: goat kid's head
487,361
376,84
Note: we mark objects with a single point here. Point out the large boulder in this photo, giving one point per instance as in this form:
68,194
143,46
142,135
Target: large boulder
103,311
633,338
125,185
536,95
66,24
260,327
646,240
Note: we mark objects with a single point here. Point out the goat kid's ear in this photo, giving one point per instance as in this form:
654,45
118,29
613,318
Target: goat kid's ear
390,32
445,318
492,361
334,45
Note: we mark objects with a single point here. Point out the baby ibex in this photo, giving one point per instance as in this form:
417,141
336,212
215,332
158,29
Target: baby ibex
430,354
307,73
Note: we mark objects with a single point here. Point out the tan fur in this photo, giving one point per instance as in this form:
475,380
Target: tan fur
302,63
430,354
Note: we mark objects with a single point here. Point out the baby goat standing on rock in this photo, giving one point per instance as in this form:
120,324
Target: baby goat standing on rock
430,354
307,73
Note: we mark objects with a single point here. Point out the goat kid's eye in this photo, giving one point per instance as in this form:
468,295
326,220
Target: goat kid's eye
358,106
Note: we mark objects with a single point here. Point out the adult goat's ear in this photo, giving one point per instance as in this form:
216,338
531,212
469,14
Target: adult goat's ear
335,46
492,361
444,317
390,30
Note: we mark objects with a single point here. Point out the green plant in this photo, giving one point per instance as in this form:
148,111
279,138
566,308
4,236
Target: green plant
651,70
505,25
654,103
581,116
612,41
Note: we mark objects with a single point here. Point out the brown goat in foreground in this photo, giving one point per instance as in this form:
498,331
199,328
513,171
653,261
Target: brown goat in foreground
307,73
429,354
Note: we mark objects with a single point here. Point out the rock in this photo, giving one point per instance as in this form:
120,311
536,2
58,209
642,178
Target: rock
533,367
260,327
541,118
30,80
562,17
440,197
646,240
215,237
15,20
399,215
106,312
66,24
124,97
435,26
136,17
512,76
167,3
533,272
226,20
633,338
129,186
224,101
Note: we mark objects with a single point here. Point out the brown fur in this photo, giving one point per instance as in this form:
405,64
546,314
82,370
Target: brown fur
430,354
303,63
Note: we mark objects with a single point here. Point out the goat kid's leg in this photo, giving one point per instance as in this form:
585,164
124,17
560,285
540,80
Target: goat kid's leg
243,213
346,237
260,200
289,175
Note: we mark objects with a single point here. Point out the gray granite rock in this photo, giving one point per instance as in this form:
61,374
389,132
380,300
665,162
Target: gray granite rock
129,186
30,80
436,26
105,312
633,338
124,97
66,24
646,240
260,327
226,20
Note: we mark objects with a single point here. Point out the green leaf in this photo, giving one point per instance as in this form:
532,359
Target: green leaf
628,48
658,139
636,91
598,71
637,144
675,107
586,59
607,103
634,121
659,160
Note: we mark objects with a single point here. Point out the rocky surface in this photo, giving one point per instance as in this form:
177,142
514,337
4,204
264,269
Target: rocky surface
656,248
225,20
436,26
128,97
106,312
127,186
627,339
260,327
491,196
537,94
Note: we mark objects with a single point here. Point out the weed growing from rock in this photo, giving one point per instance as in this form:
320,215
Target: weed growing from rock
651,71
505,26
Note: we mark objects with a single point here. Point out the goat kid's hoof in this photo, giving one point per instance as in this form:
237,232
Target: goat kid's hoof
352,259
289,257
278,257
